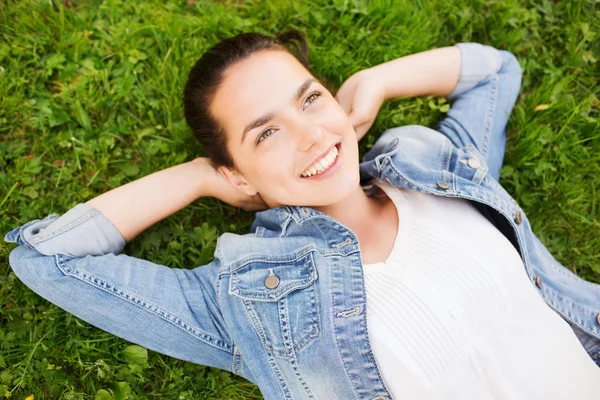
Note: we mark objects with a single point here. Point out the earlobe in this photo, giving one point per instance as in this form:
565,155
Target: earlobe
237,180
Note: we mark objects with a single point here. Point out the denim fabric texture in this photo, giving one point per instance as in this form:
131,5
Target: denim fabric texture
306,337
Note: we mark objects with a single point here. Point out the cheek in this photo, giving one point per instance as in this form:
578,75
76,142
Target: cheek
336,119
274,165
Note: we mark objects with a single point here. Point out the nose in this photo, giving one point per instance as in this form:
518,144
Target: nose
309,135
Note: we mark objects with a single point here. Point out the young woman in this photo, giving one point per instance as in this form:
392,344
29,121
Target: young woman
412,274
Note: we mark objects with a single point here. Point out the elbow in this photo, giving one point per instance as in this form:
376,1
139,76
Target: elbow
25,262
510,63
511,76
35,270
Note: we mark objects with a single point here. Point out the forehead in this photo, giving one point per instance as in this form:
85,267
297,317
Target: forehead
264,82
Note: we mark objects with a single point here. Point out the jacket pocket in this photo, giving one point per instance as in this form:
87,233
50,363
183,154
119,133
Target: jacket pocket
280,298
468,163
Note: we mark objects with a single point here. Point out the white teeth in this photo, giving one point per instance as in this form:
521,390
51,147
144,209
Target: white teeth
330,158
322,164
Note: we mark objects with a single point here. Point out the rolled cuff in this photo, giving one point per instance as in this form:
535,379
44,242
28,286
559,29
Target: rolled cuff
81,231
477,62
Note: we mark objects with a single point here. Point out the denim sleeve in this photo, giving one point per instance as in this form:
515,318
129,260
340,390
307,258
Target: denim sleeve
482,101
169,310
80,231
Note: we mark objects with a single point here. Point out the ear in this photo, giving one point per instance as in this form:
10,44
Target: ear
237,180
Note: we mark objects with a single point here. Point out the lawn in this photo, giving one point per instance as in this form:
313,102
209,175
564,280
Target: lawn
90,99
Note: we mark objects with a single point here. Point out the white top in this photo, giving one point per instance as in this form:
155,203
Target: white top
452,314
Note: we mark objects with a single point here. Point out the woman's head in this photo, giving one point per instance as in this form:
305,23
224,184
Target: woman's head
263,118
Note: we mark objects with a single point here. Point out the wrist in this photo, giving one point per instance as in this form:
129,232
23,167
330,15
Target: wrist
204,177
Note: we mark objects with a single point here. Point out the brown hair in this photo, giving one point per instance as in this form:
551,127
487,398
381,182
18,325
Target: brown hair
207,74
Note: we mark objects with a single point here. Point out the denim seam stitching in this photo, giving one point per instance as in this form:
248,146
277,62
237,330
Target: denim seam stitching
272,260
566,315
301,284
285,225
236,364
82,218
315,320
307,281
446,154
249,310
20,239
144,304
288,342
338,339
564,271
489,122
218,291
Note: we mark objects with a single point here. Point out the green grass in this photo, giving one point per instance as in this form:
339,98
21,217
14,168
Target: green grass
90,99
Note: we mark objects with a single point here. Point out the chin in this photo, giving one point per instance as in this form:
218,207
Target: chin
343,189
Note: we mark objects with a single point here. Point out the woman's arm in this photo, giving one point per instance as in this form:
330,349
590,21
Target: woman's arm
72,261
134,207
482,97
106,223
430,72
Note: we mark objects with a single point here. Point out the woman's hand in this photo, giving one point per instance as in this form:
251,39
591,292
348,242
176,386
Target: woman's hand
361,97
220,188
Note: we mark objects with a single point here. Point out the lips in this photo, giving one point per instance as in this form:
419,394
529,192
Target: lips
331,169
321,156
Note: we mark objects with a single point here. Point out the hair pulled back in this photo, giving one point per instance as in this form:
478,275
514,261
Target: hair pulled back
206,76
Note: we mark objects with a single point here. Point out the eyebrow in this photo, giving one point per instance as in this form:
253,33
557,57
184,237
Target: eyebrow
269,116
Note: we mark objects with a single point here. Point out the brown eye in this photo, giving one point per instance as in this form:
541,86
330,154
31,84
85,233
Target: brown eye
314,96
262,137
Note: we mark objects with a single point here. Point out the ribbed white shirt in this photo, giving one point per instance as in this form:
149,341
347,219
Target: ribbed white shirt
451,314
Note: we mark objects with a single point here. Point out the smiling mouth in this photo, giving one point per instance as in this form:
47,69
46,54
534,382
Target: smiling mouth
325,164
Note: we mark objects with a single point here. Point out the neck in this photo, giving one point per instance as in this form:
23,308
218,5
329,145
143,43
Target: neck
357,211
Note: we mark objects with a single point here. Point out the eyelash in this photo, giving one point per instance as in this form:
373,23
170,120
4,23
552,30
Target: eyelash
260,137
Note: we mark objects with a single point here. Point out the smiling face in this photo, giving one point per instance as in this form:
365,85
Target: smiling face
280,123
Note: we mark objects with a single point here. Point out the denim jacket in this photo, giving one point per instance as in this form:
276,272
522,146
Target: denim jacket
285,305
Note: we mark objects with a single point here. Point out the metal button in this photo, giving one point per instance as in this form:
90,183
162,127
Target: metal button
598,319
304,211
538,281
443,185
387,181
518,217
474,163
272,281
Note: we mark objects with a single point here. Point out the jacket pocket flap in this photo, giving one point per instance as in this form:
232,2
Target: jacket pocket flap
250,281
468,163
